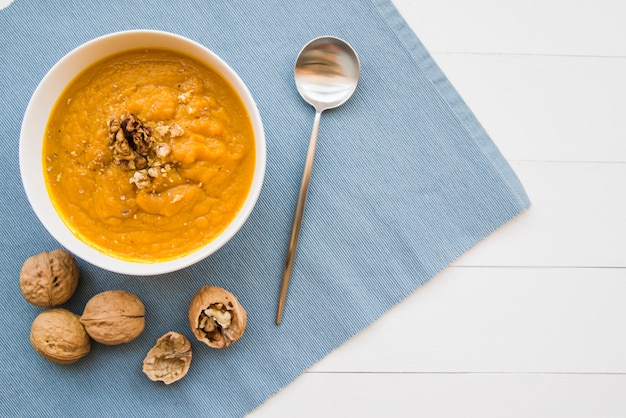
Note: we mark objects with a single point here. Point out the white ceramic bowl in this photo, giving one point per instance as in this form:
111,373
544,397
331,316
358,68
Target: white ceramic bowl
36,118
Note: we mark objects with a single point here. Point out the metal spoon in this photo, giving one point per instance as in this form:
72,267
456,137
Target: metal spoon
327,72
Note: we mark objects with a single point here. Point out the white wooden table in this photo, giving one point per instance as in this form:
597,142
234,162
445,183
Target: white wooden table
532,321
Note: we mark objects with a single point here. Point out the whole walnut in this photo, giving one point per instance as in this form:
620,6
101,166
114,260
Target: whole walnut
58,335
49,278
114,317
169,359
216,317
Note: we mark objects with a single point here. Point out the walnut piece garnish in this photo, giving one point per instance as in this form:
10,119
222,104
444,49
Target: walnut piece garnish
114,317
162,150
171,131
129,138
49,278
135,148
216,317
170,358
176,131
57,335
141,179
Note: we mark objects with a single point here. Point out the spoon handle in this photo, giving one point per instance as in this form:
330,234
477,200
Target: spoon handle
297,218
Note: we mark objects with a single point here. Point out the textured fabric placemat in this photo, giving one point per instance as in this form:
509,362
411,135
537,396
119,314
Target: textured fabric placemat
405,180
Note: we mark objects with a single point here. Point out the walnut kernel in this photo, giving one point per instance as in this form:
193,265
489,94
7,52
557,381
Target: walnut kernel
114,317
49,278
129,138
216,317
169,359
57,335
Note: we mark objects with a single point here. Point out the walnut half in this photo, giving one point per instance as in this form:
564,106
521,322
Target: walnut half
170,358
216,317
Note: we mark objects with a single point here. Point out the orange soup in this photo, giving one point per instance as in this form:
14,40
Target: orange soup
148,155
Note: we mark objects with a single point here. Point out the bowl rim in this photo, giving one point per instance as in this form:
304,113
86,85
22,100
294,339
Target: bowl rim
45,97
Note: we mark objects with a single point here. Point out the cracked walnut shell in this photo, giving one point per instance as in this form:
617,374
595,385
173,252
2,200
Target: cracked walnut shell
169,359
57,335
216,317
114,317
49,278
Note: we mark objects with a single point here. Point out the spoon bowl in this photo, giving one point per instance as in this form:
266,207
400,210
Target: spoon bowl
326,73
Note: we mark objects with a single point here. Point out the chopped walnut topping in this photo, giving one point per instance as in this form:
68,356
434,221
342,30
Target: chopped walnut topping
153,172
134,148
129,137
140,179
176,131
161,129
136,133
184,98
162,150
118,143
172,131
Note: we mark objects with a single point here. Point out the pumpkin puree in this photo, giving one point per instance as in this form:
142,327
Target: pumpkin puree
179,198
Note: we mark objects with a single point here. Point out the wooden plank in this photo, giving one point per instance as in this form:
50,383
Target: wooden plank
449,395
511,320
558,27
545,108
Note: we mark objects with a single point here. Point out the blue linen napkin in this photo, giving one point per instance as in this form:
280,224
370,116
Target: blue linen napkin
405,180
